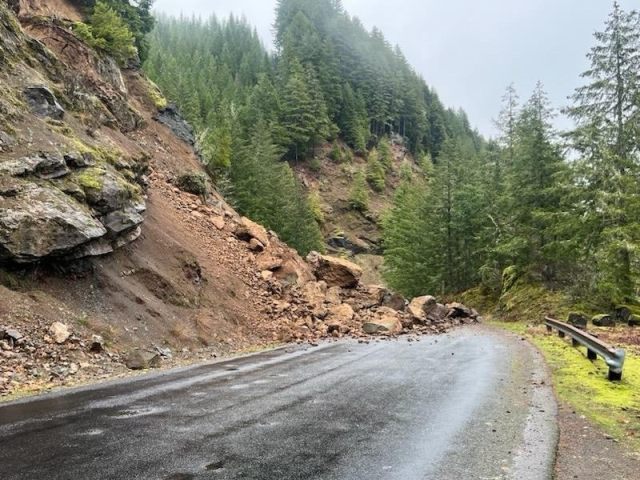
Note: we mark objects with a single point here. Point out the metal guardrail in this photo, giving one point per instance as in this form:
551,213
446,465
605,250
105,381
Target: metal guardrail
614,358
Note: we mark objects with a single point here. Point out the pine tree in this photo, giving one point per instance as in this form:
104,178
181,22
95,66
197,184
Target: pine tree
359,194
316,206
265,190
384,153
336,153
375,172
506,123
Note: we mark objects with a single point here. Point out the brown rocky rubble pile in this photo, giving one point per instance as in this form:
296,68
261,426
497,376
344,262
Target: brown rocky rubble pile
324,299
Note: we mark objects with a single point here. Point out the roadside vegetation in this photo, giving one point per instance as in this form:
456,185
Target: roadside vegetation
583,384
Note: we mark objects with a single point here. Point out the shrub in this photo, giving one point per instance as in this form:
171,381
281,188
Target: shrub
316,207
336,153
315,165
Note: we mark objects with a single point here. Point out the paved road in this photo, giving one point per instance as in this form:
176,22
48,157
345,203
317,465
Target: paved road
469,405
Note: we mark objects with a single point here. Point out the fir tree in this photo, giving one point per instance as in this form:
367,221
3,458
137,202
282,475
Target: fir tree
607,137
375,172
359,194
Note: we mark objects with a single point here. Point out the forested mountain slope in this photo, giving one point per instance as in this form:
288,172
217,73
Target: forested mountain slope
472,212
324,101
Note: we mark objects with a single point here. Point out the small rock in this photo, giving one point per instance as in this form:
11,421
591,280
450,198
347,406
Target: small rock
217,222
97,344
12,334
60,332
255,245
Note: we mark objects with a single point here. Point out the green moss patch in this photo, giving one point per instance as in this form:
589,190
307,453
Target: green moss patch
90,179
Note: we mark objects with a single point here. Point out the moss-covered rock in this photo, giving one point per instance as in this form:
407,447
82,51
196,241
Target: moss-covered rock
509,278
603,320
192,182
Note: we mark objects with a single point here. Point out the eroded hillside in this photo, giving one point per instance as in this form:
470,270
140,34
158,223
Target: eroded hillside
108,262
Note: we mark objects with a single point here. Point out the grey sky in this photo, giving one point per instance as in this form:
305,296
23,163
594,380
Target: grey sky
468,50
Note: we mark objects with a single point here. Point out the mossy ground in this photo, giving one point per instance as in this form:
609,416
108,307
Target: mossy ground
583,383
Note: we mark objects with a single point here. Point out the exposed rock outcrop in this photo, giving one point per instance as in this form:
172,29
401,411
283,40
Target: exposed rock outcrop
43,102
171,118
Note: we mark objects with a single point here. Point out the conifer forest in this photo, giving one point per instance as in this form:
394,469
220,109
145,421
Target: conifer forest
559,207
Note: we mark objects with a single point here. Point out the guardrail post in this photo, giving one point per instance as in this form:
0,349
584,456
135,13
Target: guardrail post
591,355
575,342
549,328
561,334
615,376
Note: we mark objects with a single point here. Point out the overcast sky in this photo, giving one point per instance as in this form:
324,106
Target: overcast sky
468,50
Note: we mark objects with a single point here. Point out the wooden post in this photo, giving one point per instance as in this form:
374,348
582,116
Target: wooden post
591,355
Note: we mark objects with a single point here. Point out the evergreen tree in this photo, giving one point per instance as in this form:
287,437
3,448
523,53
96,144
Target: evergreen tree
108,32
359,194
375,172
265,190
384,153
408,254
607,137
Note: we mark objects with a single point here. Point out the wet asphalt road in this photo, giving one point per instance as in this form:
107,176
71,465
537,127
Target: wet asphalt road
470,405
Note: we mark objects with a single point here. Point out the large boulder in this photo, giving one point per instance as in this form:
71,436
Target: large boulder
269,261
420,307
336,272
458,310
247,230
122,221
171,117
341,314
37,222
314,293
142,360
393,300
388,324
46,166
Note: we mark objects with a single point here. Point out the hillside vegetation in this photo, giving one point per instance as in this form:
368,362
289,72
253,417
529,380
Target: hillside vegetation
329,79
